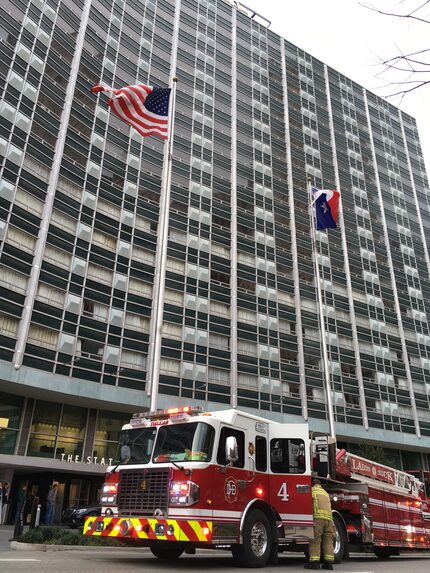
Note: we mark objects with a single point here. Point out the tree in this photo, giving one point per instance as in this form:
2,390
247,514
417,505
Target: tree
409,70
374,453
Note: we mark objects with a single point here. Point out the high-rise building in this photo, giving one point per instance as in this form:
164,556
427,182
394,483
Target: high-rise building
82,238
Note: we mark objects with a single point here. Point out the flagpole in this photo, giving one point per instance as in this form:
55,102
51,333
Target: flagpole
154,350
328,388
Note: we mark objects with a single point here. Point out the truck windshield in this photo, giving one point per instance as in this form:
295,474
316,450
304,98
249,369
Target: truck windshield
135,446
191,442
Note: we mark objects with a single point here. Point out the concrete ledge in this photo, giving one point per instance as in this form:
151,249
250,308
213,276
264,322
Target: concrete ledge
47,547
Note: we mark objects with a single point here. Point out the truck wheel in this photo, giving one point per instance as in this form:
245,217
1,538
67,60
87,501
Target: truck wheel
166,550
257,541
382,552
339,540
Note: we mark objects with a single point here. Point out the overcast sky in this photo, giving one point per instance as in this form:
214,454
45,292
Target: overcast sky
352,39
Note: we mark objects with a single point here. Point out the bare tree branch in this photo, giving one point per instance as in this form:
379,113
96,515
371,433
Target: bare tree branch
396,15
408,70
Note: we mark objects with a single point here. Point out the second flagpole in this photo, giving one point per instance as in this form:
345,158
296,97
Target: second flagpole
327,378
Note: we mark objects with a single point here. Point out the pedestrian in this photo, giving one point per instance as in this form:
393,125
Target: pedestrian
21,500
323,529
6,502
50,504
1,501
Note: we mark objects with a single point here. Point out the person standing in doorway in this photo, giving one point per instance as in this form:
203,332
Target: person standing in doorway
323,529
1,501
50,504
21,500
5,503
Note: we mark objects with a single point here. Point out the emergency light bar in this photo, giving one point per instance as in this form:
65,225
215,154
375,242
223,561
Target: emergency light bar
191,410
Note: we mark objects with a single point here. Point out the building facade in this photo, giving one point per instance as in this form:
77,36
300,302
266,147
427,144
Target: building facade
81,237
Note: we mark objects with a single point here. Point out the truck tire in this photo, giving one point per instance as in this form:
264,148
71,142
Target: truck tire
339,540
167,550
383,552
256,548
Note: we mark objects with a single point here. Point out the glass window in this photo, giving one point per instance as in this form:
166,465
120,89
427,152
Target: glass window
46,418
135,445
190,442
109,425
73,422
240,438
287,456
10,416
260,454
57,431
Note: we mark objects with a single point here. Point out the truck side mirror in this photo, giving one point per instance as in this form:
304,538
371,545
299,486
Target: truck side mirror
231,449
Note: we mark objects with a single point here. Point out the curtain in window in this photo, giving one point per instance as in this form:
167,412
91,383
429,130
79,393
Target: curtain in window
20,239
246,347
219,308
174,296
136,322
172,367
133,359
143,224
13,280
28,202
42,336
139,287
8,325
247,381
109,209
60,258
105,241
170,329
219,341
97,273
175,265
139,254
219,376
61,220
54,296
69,189
246,316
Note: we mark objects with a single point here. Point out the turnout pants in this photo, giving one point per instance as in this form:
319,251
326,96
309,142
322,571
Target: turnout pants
323,532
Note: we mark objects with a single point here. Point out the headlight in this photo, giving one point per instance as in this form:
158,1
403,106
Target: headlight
109,493
184,493
80,511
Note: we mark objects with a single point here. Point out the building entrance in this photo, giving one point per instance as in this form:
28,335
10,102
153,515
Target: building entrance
72,491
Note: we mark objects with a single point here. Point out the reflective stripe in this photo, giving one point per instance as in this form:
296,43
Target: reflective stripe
321,503
150,528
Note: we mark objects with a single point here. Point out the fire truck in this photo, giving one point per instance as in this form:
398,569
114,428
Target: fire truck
188,479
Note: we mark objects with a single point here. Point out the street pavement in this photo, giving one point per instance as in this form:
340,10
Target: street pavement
130,560
6,533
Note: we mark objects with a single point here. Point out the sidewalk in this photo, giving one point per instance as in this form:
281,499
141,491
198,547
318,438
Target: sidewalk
6,533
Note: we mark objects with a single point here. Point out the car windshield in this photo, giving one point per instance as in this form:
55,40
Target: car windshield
191,442
135,446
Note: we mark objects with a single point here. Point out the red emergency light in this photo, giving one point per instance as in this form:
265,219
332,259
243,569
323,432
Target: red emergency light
157,414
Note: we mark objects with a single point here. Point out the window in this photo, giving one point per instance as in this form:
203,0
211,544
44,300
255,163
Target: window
109,425
184,442
57,430
260,454
10,415
240,438
287,456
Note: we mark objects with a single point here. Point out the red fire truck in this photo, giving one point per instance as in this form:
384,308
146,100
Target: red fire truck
189,479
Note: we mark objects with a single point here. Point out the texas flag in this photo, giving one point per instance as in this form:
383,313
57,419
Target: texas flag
326,204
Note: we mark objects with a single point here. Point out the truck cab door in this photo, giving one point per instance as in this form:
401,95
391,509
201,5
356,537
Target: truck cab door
290,477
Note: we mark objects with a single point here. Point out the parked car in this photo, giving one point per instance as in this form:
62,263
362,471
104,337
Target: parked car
75,516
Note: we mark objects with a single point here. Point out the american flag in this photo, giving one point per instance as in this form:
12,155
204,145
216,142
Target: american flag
145,108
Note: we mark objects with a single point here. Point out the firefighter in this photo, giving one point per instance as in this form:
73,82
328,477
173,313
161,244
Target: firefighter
323,529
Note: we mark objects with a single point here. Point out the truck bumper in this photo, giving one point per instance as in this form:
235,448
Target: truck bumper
149,529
